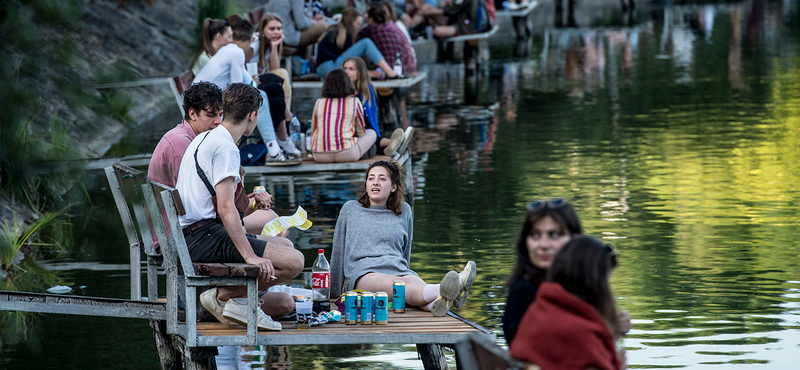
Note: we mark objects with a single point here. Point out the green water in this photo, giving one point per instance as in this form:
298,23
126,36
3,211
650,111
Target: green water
676,138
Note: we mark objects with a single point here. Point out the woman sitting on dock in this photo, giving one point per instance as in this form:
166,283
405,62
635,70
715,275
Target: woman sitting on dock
267,52
216,34
356,69
338,44
372,246
573,322
338,123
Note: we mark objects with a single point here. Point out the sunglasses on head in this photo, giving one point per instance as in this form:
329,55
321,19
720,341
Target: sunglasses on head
611,252
554,203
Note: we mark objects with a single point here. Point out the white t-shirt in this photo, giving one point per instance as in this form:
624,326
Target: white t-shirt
219,158
255,45
225,67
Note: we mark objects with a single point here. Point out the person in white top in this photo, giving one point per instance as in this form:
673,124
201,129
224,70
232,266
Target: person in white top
216,34
210,168
227,66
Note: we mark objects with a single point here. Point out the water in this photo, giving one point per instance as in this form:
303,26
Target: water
675,136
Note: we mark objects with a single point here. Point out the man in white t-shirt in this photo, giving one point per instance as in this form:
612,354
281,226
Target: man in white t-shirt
210,168
227,66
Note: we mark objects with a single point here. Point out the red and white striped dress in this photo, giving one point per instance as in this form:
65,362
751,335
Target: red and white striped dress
336,123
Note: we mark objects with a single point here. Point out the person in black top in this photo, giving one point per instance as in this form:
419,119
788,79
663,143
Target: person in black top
549,224
337,45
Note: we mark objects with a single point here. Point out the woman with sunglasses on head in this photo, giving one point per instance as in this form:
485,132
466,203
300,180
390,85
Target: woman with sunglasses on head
549,224
372,246
574,322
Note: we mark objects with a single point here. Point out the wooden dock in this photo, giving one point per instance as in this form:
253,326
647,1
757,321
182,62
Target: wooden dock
412,327
400,83
520,18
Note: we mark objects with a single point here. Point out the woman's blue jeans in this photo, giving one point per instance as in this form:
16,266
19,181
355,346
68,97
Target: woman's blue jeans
364,47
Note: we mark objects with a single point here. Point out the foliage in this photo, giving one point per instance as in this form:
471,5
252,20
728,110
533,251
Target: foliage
14,237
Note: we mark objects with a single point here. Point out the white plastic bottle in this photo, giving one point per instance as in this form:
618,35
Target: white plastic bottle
294,132
398,65
321,283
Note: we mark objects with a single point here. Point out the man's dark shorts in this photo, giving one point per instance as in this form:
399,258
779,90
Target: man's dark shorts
211,243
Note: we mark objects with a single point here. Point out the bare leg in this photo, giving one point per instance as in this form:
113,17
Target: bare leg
256,220
444,31
386,68
281,132
376,282
277,304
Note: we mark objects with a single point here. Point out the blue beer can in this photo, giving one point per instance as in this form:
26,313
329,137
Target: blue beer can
350,308
381,308
399,296
367,300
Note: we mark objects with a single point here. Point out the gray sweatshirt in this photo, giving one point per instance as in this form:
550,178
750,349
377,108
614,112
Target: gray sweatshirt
370,240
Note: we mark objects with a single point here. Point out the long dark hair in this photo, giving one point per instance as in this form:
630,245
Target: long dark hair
264,43
564,216
347,26
337,84
396,199
583,267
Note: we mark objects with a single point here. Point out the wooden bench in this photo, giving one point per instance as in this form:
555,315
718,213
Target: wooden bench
179,85
480,352
131,190
520,18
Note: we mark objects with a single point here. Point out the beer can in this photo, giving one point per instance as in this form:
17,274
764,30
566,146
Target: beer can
367,300
399,296
258,189
350,308
381,308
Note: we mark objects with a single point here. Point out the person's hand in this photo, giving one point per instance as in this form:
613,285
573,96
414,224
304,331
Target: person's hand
263,200
267,270
319,17
256,80
275,43
624,318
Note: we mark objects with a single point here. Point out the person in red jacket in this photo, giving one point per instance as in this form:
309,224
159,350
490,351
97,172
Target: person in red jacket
573,323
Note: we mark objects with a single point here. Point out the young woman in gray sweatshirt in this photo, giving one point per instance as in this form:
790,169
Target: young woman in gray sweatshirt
372,246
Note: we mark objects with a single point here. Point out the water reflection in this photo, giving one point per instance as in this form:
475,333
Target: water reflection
674,135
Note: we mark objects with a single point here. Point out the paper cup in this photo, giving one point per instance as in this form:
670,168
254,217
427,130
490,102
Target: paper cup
252,68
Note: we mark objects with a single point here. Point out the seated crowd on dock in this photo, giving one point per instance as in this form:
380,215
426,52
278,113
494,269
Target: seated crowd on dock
559,287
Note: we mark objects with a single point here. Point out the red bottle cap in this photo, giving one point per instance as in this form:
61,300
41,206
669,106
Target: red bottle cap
320,251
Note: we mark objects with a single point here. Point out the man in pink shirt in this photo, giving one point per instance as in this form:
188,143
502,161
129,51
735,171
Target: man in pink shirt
202,104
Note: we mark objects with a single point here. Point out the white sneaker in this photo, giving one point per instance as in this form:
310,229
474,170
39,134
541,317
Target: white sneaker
407,134
216,307
397,138
465,280
448,291
237,312
289,148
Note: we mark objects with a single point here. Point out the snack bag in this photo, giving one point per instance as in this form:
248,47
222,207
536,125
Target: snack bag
299,220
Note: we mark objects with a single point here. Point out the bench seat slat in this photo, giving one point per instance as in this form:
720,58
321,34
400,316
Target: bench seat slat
225,269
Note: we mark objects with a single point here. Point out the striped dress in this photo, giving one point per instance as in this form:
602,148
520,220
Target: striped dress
336,123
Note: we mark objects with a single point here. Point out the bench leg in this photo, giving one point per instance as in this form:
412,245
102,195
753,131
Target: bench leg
432,356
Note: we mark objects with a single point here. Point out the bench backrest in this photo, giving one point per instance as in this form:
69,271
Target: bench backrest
162,199
179,85
480,352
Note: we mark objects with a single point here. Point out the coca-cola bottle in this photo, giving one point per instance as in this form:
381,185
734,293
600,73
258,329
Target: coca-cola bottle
321,283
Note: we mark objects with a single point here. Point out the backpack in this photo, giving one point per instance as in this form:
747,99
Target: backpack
484,22
253,154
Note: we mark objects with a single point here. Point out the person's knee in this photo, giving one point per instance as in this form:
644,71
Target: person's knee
282,305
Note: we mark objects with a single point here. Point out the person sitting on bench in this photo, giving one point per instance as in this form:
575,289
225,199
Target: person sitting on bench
299,29
212,226
389,39
458,17
372,246
338,45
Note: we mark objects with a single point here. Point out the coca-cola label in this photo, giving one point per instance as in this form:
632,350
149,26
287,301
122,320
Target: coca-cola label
321,280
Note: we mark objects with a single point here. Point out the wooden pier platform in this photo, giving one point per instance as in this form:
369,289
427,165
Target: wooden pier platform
412,327
412,79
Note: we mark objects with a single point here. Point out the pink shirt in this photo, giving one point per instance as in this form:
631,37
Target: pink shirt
166,160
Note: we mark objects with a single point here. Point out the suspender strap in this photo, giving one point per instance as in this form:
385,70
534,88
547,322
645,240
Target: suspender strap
200,171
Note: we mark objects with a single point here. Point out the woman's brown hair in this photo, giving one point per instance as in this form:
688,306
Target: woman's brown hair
337,84
362,83
583,267
262,40
211,27
396,198
347,26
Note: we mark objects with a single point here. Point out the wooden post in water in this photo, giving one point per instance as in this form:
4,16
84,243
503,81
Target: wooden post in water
175,355
432,356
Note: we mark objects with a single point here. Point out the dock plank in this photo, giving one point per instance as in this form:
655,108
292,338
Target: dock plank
413,79
311,166
518,13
